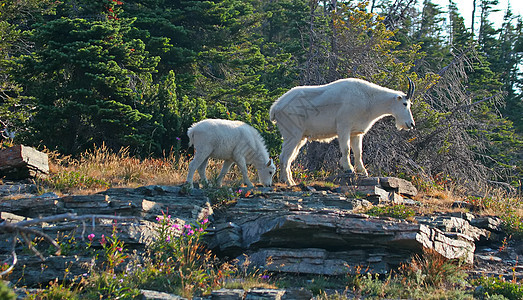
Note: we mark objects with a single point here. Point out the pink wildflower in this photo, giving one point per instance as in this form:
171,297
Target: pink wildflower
91,237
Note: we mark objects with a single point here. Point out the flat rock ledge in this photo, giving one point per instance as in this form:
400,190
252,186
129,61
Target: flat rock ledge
307,231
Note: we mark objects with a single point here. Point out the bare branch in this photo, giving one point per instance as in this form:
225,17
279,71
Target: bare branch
21,229
15,259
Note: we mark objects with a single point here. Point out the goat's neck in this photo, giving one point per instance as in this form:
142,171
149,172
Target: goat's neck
382,107
260,159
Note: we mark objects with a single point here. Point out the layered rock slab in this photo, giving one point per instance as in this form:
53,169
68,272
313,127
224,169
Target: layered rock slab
308,233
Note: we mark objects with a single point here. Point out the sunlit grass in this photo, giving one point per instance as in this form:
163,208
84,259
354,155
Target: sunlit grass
102,168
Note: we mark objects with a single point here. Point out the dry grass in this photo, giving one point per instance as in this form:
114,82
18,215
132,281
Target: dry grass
101,168
121,169
437,201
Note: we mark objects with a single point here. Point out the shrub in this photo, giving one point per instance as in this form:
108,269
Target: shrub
179,249
6,293
432,269
498,286
513,224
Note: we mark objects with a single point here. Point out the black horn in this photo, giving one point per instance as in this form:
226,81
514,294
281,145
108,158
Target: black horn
412,88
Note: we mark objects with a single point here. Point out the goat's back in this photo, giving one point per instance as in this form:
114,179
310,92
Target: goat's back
224,136
352,92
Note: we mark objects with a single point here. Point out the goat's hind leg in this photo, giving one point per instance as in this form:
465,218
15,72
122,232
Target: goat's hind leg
201,171
289,151
357,148
199,163
225,168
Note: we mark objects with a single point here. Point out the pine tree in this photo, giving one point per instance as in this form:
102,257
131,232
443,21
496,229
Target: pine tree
89,80
16,18
430,35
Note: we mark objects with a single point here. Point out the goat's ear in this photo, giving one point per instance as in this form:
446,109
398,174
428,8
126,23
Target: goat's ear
270,162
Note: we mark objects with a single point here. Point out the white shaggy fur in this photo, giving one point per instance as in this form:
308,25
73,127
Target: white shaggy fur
346,108
233,142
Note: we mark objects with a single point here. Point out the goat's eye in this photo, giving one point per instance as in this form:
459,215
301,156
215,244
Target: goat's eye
405,104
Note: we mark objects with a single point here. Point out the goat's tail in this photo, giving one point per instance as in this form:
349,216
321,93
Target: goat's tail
272,112
190,134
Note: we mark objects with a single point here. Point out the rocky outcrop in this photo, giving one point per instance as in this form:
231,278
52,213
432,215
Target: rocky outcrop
318,233
308,231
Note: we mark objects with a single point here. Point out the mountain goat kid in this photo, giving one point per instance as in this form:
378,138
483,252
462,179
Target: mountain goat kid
346,108
232,142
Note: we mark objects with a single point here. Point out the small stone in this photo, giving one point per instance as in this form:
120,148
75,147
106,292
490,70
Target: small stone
489,258
297,293
264,294
518,268
228,294
154,295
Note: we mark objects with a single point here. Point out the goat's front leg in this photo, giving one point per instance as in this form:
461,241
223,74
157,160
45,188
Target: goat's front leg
243,169
344,141
356,142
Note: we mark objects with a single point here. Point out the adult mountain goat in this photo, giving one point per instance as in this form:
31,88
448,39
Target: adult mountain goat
233,142
346,108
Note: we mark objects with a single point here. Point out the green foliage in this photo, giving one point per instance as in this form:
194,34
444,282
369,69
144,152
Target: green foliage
498,286
178,247
56,291
15,18
513,224
89,81
109,286
113,249
222,195
399,211
66,181
6,293
138,73
432,269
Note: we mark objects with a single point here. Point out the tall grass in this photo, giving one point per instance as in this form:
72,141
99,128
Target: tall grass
102,168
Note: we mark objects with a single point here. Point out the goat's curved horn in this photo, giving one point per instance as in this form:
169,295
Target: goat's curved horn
412,88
